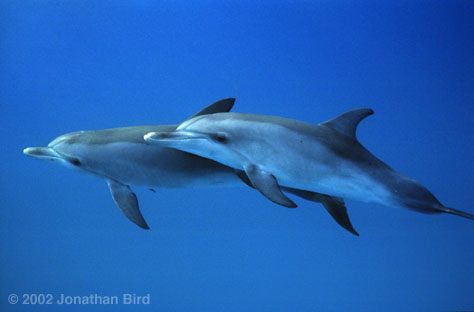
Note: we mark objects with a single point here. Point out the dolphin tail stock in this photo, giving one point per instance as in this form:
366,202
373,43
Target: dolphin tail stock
417,197
438,208
456,212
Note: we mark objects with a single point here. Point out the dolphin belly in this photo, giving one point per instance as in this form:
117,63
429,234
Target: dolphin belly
155,166
345,181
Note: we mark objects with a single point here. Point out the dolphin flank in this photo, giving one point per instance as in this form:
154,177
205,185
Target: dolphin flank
325,158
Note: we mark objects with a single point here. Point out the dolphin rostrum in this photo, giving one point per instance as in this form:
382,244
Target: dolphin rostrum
325,158
122,158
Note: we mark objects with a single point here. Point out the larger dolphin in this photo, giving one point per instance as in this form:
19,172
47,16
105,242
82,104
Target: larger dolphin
325,158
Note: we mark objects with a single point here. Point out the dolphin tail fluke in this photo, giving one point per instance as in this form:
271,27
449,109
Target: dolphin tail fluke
457,212
127,201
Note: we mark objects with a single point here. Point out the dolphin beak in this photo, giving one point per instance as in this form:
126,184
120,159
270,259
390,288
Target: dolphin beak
43,153
165,138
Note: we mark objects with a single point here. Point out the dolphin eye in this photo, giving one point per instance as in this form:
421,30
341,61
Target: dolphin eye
221,137
75,162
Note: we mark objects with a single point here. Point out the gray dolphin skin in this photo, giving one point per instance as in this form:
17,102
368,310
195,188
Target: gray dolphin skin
122,158
325,158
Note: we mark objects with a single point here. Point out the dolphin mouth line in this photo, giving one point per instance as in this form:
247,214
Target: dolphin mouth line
44,153
47,153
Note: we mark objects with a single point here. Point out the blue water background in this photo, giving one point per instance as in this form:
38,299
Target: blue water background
83,65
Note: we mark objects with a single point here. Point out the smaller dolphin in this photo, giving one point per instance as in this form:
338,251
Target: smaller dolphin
325,158
122,158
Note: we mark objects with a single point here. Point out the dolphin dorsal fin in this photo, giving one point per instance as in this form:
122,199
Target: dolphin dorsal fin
221,106
347,122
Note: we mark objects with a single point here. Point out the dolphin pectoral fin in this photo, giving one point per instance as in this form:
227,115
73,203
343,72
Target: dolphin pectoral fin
127,201
267,184
334,205
222,106
244,178
287,202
